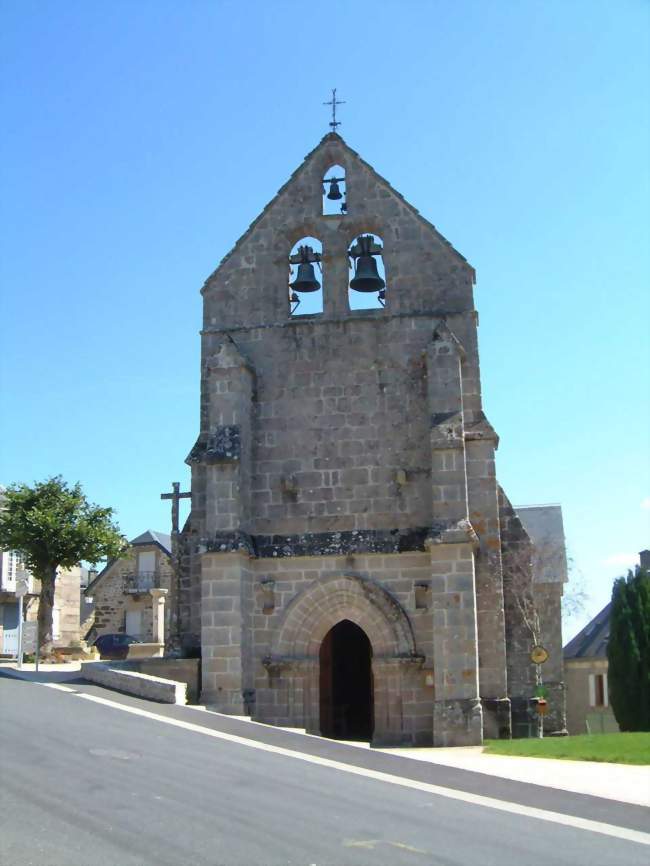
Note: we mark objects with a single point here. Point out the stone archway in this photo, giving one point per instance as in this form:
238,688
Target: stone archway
295,657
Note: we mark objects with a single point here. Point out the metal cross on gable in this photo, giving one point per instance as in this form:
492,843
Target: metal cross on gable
334,102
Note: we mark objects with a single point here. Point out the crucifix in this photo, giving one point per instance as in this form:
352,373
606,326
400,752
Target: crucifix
334,102
176,497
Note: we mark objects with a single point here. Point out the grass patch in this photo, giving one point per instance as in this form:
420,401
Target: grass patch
631,748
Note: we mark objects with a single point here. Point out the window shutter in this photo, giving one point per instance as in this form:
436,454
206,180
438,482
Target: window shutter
592,690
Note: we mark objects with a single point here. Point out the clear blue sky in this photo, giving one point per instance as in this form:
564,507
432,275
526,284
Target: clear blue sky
141,138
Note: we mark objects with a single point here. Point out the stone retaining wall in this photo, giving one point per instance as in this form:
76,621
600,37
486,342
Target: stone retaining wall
134,683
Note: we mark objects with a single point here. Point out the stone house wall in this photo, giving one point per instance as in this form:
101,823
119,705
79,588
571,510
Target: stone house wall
66,604
112,601
582,716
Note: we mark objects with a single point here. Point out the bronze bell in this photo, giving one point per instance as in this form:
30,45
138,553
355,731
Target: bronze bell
305,278
335,193
366,277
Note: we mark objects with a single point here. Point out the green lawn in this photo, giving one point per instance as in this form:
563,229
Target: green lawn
615,748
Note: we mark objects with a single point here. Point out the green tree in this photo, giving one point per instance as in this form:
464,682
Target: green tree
628,651
54,526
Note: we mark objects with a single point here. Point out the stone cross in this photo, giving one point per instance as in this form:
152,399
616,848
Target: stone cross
176,497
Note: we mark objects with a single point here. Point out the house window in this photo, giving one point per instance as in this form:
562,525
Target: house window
133,622
598,696
147,562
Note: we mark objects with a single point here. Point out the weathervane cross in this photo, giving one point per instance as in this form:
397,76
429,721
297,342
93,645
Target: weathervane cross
334,102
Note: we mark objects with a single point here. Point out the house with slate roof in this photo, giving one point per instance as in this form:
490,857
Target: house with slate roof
586,674
585,671
121,591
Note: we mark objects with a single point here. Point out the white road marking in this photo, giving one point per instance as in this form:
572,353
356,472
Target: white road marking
58,687
452,794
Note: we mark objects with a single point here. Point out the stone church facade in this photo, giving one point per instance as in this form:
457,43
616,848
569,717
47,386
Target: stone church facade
342,562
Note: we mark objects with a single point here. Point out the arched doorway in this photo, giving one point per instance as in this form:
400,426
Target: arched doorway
346,695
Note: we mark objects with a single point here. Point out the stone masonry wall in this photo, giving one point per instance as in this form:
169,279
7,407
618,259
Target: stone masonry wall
344,468
112,601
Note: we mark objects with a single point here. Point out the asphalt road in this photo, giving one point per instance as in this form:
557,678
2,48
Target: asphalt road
88,783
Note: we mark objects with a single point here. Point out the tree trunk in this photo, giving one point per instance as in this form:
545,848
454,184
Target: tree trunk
45,605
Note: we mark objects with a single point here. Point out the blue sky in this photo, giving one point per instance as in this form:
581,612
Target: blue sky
142,138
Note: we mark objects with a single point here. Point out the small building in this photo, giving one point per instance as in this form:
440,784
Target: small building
587,675
121,591
585,669
65,612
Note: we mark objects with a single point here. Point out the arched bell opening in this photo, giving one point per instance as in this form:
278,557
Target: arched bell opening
334,191
367,282
306,277
346,686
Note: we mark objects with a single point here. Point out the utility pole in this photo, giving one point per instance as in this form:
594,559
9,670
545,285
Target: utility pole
21,592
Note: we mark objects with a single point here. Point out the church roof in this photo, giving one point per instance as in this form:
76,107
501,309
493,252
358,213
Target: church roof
545,528
335,137
591,642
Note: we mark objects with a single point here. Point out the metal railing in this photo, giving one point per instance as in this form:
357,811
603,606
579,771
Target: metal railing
136,584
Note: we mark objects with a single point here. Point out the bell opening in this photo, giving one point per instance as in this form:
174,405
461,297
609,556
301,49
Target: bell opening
305,284
367,274
334,191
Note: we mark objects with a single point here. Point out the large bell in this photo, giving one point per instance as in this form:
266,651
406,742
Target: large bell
366,277
305,279
335,193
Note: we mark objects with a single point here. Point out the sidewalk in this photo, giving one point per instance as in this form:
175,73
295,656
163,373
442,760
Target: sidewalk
47,673
621,782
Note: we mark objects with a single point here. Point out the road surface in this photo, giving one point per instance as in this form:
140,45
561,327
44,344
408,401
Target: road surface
96,778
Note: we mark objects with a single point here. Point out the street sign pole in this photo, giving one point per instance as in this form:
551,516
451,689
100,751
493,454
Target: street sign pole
20,632
21,591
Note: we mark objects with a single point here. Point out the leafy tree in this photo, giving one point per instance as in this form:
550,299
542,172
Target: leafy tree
54,526
628,651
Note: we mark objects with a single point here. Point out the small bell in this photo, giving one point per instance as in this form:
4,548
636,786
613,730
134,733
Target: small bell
335,193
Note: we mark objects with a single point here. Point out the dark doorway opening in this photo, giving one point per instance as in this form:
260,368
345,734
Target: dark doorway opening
346,698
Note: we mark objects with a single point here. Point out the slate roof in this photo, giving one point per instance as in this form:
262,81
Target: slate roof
591,642
545,528
160,539
151,537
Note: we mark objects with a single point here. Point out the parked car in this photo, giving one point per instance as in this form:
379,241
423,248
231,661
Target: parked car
115,646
